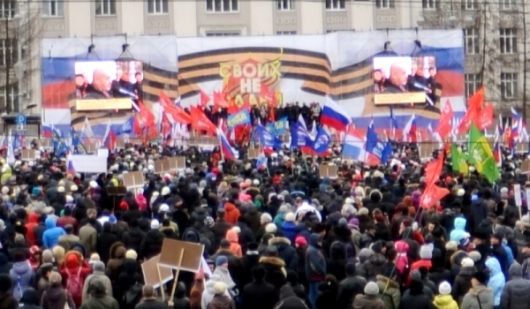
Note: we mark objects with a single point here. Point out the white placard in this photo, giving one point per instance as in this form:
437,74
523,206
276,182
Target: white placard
89,164
103,152
517,193
527,197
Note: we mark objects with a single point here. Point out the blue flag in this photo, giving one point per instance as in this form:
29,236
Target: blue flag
387,152
321,142
79,147
266,138
126,128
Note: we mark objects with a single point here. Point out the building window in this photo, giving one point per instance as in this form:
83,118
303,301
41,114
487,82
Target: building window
8,52
472,84
507,4
471,43
224,33
7,8
384,4
333,5
469,4
285,32
52,8
157,6
9,97
105,7
222,5
430,4
509,85
508,40
285,5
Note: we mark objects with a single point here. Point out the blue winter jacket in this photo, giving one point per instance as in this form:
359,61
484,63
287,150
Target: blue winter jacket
497,280
22,276
509,254
460,228
315,263
289,230
50,237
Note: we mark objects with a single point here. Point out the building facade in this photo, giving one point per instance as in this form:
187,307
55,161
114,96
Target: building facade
494,32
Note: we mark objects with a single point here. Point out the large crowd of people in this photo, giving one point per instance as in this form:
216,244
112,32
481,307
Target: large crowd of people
281,237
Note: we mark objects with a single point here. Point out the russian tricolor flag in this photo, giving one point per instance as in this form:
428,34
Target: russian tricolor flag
47,131
71,169
353,146
497,155
409,132
516,124
229,153
334,116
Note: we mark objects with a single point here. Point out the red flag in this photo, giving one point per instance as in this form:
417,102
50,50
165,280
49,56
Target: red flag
148,121
468,119
485,117
205,99
177,113
166,125
432,195
201,122
219,100
444,124
433,170
137,126
268,94
477,99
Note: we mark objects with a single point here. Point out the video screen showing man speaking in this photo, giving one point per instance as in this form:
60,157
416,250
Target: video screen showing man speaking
404,80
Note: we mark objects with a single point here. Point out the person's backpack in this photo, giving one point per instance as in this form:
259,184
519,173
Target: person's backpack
74,284
133,295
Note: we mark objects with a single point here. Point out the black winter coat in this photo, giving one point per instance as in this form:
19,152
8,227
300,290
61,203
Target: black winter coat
152,244
259,295
275,272
286,252
289,300
133,238
348,289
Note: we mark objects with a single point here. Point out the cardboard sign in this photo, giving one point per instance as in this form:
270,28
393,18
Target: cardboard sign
521,147
133,180
162,166
528,197
28,154
426,150
328,171
170,253
253,153
89,164
151,269
177,163
517,195
525,167
103,152
45,143
120,143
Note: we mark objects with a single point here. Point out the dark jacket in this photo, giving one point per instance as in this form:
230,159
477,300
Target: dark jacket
328,295
337,261
289,300
7,301
373,266
98,297
181,301
104,242
133,238
5,265
275,272
315,263
30,299
259,295
221,302
151,304
462,283
286,252
362,301
152,244
416,299
348,289
56,297
515,294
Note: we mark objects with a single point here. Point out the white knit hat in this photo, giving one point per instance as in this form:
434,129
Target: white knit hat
270,228
444,288
219,288
467,262
155,224
290,217
371,288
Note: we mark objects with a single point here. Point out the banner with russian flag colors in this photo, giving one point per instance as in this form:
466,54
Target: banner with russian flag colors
229,153
353,146
334,116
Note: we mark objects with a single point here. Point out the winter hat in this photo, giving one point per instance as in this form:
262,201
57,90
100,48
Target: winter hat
364,211
475,256
155,224
271,251
98,266
131,254
165,191
451,245
300,241
371,289
47,256
343,222
271,228
265,218
426,252
460,192
353,223
467,262
163,208
221,260
444,288
219,288
348,209
60,189
290,217
94,257
283,209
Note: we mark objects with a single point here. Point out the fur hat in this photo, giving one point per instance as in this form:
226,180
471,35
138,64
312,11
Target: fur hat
467,262
271,228
451,245
371,288
475,256
290,217
444,288
219,288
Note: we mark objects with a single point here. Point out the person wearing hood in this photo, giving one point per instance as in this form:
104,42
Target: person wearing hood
328,293
496,279
416,298
98,271
479,296
77,268
515,293
232,213
280,216
152,243
128,277
30,299
460,229
315,266
56,296
289,299
33,221
220,300
370,298
462,282
259,294
22,275
375,263
285,250
117,257
50,238
349,287
180,301
98,297
209,291
444,300
133,237
389,288
169,229
233,238
289,227
275,272
105,241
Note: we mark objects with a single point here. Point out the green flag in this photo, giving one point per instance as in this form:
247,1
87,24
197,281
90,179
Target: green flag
458,160
481,156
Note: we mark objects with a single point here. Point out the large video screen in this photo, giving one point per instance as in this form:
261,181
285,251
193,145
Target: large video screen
108,84
404,80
